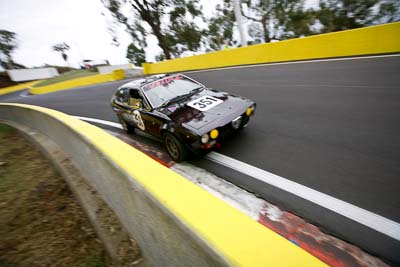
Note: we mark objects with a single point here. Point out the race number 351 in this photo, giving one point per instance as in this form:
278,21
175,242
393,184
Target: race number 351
205,103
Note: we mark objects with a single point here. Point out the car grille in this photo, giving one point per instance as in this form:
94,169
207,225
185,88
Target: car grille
227,129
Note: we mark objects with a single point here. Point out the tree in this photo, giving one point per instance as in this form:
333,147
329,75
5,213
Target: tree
62,48
389,11
220,26
135,55
170,21
338,15
277,20
8,43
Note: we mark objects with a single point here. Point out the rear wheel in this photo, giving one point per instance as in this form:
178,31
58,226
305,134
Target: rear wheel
175,148
128,128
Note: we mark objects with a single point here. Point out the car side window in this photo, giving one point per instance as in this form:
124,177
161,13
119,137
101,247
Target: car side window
122,95
135,98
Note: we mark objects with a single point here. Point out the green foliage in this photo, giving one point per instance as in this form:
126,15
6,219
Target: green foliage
8,43
298,24
160,57
389,11
73,74
6,130
220,26
187,36
277,20
176,36
135,55
338,15
62,47
95,259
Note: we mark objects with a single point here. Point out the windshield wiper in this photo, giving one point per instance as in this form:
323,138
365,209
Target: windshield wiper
179,97
174,99
195,90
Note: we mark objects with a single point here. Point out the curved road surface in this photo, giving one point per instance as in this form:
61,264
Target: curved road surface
333,126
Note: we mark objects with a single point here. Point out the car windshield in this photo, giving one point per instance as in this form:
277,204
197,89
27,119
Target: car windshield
172,87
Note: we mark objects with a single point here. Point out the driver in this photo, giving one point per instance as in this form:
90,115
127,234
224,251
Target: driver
135,99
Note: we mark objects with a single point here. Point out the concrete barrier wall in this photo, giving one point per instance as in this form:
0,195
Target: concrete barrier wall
111,68
21,75
365,41
84,81
18,87
132,73
175,222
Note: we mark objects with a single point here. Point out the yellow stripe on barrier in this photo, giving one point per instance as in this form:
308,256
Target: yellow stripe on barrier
84,81
18,87
235,236
379,39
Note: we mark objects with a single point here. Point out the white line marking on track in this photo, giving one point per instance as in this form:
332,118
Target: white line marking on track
292,62
357,214
109,123
24,93
367,218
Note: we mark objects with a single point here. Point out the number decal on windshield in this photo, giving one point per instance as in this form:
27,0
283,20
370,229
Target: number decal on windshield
205,103
163,82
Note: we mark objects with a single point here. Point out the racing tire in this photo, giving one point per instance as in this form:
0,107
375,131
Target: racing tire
128,128
177,151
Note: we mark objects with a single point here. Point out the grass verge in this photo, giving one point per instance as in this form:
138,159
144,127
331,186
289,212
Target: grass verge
66,76
41,223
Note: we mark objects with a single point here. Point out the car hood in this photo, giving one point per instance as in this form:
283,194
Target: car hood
204,121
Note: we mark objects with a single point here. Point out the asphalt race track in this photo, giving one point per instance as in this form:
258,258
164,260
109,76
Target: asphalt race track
333,126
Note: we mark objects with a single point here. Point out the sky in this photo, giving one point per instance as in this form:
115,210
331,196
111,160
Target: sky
40,24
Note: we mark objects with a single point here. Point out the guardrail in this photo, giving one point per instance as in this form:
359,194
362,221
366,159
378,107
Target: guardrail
379,39
18,87
175,222
20,75
84,81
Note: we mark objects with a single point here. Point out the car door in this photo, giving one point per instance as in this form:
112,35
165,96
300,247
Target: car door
141,114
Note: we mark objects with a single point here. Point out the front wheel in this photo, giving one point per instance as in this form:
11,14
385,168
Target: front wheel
175,148
128,128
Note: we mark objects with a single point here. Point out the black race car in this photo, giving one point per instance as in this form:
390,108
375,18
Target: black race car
182,112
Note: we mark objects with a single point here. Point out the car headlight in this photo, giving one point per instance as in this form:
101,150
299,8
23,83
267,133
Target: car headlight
214,134
250,110
205,138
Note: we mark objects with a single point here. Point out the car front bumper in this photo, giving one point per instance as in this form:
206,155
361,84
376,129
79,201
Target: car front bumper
223,132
